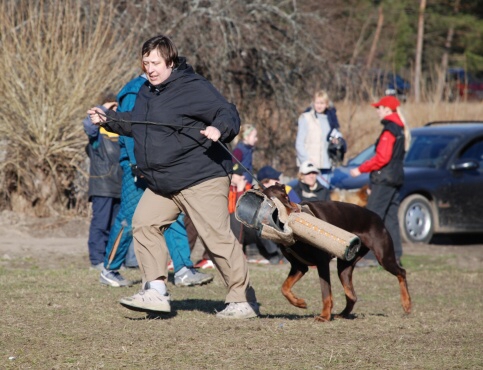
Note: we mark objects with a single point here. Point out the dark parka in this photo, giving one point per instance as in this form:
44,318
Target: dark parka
165,123
105,174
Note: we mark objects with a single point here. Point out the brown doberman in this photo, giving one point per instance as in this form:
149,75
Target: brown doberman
360,221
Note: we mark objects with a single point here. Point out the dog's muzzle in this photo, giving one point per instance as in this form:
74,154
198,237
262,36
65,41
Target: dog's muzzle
272,221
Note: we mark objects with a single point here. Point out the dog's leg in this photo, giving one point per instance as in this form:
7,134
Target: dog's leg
345,270
324,280
386,257
293,276
405,297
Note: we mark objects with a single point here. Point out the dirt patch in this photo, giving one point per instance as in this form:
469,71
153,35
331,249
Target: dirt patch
43,242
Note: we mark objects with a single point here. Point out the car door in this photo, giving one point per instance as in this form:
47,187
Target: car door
466,190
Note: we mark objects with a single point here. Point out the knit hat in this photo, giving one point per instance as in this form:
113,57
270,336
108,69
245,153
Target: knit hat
268,173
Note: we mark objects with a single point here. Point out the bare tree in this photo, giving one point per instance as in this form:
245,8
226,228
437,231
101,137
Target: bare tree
444,59
56,56
419,52
375,41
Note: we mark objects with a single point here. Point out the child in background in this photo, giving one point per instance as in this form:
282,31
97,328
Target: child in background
243,151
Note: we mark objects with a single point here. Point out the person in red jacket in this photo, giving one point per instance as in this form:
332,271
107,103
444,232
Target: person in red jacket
386,168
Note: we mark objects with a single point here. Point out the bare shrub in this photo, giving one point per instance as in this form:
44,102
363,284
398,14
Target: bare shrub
56,56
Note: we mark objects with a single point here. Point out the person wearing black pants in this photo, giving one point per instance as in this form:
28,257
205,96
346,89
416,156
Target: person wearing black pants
386,170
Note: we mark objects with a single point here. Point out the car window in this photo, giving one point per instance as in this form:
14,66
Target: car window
362,156
474,151
430,150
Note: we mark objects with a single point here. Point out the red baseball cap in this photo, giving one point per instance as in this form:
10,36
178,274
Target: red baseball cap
390,102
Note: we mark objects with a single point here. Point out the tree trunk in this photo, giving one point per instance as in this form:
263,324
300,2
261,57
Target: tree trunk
372,52
439,93
419,52
443,67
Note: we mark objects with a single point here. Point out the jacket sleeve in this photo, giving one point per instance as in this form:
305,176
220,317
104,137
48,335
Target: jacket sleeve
300,140
292,195
118,122
90,129
204,103
383,154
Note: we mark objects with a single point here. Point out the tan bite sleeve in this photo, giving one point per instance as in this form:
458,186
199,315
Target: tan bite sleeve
309,229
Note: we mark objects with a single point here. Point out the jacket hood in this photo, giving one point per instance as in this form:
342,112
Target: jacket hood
181,70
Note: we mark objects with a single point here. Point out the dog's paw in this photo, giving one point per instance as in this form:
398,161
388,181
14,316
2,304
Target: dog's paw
300,303
321,319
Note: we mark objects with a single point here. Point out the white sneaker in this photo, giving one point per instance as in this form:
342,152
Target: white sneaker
148,300
192,277
114,278
239,310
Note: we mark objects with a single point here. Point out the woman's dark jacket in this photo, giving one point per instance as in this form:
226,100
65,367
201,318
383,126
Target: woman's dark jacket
170,151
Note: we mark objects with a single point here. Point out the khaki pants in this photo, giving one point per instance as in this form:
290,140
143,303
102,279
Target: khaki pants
207,205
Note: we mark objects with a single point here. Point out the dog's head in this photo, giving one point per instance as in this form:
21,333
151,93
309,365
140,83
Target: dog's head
278,191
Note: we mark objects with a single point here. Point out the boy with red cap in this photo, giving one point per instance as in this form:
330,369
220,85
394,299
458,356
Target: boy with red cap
386,167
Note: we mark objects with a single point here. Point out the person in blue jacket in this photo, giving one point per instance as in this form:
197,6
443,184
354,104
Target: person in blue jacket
118,249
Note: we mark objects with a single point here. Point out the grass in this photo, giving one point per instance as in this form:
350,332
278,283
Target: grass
63,319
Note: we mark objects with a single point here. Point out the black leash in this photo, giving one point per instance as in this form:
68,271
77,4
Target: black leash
176,125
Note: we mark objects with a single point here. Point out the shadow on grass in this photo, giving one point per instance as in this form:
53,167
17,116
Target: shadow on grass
202,305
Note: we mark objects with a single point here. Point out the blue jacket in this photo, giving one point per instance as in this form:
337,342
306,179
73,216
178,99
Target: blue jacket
244,153
126,99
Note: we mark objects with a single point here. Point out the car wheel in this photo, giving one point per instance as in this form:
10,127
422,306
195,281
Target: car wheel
416,219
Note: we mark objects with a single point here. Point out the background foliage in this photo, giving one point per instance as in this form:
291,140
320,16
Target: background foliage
267,56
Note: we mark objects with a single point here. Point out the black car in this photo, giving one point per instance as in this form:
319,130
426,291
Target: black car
443,185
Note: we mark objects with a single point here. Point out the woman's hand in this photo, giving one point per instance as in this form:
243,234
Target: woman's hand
96,115
355,172
211,133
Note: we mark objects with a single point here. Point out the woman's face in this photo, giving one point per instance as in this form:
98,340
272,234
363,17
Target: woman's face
320,105
252,138
383,111
310,179
155,67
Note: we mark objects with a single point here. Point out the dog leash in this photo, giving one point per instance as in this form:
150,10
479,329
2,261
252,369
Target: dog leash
189,127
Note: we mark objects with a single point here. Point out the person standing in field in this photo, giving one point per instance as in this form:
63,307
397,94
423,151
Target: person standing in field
386,168
104,183
318,128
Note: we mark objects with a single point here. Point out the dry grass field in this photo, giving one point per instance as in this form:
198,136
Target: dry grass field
55,315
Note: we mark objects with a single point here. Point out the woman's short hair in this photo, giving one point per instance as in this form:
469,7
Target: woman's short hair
165,47
322,94
246,129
